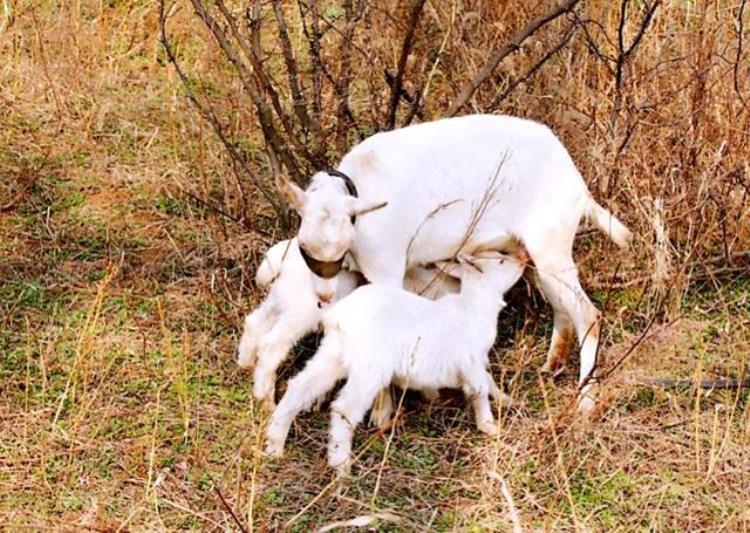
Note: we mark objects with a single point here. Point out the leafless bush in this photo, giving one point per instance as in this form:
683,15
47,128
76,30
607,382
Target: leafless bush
651,107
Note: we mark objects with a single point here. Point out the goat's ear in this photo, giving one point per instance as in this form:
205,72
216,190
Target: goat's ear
292,192
362,207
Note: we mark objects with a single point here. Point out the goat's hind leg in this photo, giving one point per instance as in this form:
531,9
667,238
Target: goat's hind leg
317,378
563,332
560,284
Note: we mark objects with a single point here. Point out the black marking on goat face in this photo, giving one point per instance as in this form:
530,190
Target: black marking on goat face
322,269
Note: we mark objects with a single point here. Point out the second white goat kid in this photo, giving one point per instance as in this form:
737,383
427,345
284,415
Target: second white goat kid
292,310
382,334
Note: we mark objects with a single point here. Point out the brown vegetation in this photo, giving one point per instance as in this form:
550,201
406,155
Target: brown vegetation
129,232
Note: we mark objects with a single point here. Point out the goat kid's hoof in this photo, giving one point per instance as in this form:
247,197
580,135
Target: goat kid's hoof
431,395
342,469
266,402
488,428
587,401
379,418
275,450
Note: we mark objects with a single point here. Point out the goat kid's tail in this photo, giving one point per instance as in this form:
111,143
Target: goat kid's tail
608,223
272,262
265,274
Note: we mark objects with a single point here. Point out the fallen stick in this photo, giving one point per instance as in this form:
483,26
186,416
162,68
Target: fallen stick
686,383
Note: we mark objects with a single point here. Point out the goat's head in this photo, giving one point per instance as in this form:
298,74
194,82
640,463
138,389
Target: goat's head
328,210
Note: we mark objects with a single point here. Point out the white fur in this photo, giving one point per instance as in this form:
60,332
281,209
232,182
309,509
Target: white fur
291,310
433,177
381,334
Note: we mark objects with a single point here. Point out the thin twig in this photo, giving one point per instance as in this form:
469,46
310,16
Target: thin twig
687,383
738,57
229,509
512,46
398,79
529,73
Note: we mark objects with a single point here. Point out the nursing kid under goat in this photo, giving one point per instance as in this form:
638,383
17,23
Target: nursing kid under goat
292,309
440,172
380,334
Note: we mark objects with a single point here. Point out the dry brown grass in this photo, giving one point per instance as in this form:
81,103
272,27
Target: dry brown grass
120,292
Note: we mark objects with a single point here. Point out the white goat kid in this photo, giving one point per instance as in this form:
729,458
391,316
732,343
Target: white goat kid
381,334
289,312
291,309
433,178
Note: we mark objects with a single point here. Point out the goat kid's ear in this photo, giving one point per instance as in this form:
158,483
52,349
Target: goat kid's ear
362,207
292,192
449,269
467,260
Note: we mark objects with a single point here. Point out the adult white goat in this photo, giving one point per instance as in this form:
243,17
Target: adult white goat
381,334
291,309
443,191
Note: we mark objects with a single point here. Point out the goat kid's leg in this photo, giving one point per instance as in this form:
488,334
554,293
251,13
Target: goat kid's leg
256,323
382,409
563,289
477,390
272,351
496,394
347,412
317,378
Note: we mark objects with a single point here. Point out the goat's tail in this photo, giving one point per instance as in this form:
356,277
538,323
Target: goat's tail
608,223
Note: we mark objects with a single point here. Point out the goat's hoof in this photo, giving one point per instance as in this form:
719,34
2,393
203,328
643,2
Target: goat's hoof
548,369
489,428
505,400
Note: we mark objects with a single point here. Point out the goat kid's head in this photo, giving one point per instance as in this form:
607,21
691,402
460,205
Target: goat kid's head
327,209
499,270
